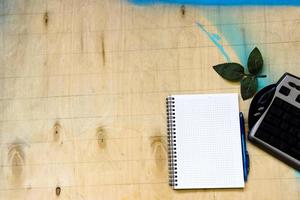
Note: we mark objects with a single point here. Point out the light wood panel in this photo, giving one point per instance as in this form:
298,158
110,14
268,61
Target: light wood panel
83,87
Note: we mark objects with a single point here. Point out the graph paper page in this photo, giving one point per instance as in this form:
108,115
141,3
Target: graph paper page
208,141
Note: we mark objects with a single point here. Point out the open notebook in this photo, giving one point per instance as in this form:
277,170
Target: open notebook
204,141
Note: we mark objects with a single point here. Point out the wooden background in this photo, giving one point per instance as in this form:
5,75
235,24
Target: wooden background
82,96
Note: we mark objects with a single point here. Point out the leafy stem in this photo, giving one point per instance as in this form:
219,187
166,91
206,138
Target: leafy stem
261,76
236,72
257,76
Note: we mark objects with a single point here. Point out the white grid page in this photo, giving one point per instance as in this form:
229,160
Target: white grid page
208,141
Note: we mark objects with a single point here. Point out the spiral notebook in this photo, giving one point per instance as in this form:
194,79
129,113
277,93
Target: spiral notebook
204,141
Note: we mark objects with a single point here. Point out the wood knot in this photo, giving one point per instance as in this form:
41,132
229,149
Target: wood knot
158,146
157,142
57,191
182,10
56,131
101,136
16,156
46,18
103,49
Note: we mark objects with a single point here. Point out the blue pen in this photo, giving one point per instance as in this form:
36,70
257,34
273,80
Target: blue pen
244,148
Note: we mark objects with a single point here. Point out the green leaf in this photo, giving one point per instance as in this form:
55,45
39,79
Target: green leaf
230,71
248,87
255,61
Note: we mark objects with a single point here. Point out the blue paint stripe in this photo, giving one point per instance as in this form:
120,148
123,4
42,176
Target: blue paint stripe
214,38
221,2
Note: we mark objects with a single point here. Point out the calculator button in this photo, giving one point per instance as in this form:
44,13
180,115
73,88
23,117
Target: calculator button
284,90
295,122
292,84
284,126
278,102
264,136
295,131
298,98
276,111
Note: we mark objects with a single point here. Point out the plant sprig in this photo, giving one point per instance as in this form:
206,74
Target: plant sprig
236,72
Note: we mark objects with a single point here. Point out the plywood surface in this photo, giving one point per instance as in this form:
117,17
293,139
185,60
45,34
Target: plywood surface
83,87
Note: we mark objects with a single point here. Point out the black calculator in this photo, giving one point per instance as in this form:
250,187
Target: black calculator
278,129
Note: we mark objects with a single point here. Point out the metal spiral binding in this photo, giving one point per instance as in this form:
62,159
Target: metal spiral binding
171,130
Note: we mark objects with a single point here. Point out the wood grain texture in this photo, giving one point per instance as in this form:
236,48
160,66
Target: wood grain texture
83,87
